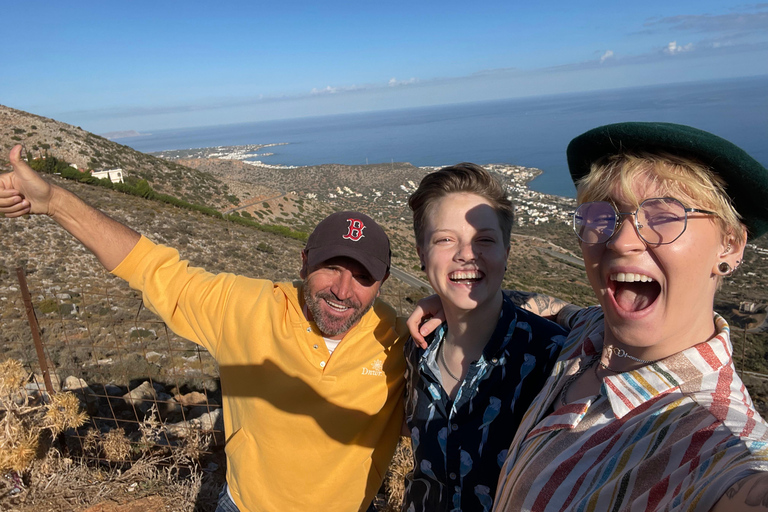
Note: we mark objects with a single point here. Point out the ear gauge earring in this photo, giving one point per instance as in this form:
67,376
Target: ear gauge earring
423,267
724,268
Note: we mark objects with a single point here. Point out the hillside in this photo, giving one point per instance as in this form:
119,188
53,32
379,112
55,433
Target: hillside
42,136
94,327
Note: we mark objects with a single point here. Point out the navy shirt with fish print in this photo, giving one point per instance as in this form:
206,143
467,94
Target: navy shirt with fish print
459,446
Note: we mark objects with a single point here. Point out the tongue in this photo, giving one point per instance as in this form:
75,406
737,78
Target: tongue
634,296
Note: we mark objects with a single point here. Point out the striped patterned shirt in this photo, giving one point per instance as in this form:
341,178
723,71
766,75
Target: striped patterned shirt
673,435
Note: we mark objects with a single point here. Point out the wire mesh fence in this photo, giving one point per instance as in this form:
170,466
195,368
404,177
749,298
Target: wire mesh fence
131,373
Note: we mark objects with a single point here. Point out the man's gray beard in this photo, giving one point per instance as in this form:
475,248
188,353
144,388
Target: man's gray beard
332,327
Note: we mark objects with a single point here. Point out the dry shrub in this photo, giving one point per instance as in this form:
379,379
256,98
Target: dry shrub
18,443
12,377
22,424
151,430
116,446
64,413
394,480
57,482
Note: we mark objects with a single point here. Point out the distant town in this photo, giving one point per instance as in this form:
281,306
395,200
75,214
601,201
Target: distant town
531,207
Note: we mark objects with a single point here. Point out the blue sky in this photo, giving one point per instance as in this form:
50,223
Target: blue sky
108,66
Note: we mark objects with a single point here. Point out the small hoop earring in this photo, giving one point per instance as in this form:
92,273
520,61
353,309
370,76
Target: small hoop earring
724,268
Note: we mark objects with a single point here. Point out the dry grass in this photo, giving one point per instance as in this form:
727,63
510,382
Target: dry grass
23,424
39,476
394,481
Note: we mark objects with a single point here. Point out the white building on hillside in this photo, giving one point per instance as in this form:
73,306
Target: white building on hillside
114,175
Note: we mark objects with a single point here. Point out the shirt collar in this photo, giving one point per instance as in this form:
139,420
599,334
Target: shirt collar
500,338
684,371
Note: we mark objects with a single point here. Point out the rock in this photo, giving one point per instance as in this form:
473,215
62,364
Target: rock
154,357
141,397
113,390
209,421
194,398
39,382
168,408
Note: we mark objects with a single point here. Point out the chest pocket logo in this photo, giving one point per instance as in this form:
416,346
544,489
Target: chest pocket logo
375,369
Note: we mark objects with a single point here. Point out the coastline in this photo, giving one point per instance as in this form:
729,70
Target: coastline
531,206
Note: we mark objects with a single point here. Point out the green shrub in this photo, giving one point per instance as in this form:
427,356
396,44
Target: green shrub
48,306
265,247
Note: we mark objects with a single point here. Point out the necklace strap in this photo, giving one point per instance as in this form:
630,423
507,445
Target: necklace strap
606,367
620,352
572,378
441,353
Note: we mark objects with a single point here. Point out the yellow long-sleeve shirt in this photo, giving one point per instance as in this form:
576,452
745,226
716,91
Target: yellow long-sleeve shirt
305,431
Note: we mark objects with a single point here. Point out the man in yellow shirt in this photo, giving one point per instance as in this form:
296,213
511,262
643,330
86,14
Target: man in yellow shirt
311,371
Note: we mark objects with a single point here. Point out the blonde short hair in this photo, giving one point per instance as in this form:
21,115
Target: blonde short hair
690,182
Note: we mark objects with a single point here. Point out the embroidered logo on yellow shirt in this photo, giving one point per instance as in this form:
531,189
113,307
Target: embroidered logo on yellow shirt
375,368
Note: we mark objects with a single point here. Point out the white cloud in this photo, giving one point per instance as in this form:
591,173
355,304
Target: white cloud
333,90
606,55
393,82
672,48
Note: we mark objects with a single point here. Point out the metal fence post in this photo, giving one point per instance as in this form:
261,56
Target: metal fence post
35,328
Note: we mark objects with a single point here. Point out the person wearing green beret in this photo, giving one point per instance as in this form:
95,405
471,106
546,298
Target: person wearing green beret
644,409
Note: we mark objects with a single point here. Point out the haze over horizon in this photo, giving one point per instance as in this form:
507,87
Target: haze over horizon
149,66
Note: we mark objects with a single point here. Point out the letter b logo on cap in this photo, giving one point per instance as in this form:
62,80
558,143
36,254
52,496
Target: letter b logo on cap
355,230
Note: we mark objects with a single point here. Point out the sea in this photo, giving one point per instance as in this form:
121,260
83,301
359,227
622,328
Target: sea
531,132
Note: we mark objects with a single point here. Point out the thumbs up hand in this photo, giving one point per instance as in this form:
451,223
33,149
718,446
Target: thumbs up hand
23,191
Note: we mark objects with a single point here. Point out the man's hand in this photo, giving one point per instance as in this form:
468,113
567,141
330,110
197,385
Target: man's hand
23,191
427,317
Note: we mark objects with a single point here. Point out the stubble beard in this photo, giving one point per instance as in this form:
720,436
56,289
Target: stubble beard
328,325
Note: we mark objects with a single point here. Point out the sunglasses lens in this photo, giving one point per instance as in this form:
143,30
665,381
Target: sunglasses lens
594,222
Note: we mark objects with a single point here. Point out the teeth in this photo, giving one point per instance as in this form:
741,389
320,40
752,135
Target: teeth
628,277
462,276
337,307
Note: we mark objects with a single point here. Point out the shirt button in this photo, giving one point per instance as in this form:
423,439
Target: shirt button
314,347
453,476
494,360
322,364
309,329
454,427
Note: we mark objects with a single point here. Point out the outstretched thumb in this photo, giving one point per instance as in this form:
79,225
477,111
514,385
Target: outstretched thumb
22,168
35,191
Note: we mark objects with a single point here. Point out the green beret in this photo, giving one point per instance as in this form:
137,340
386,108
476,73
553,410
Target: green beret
746,179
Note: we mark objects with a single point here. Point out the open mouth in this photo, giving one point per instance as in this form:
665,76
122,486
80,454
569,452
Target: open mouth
336,306
634,292
465,276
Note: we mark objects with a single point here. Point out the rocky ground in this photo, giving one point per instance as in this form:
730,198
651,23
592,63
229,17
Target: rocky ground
96,330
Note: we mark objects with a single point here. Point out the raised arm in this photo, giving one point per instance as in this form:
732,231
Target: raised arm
23,192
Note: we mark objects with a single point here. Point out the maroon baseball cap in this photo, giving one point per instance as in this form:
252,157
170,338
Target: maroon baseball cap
354,235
